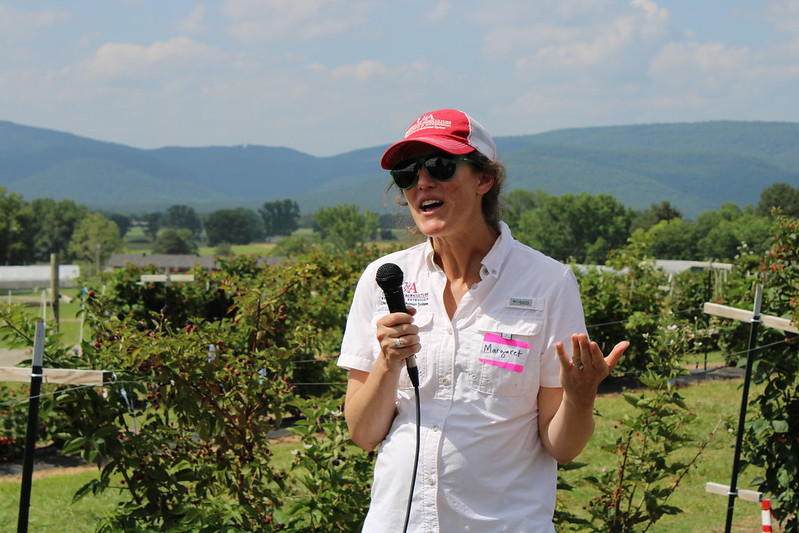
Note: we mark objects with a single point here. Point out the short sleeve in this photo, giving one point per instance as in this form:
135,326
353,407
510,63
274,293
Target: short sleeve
359,348
564,318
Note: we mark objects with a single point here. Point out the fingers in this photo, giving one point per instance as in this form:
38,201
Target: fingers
395,325
586,353
398,336
562,355
615,354
404,341
581,353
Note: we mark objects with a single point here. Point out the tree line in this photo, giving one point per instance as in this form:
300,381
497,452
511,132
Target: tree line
341,228
585,228
580,227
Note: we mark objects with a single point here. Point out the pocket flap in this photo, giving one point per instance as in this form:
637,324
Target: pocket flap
422,320
510,324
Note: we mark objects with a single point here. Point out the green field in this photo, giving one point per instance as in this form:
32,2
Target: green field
712,401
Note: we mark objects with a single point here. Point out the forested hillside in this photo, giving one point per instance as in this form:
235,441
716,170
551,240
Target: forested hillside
694,166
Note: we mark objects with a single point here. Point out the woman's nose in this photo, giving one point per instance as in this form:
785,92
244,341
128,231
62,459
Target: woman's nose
424,180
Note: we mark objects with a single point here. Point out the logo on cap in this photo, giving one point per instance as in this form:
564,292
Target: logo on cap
428,122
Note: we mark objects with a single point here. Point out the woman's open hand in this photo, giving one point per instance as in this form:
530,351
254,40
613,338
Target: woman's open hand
584,370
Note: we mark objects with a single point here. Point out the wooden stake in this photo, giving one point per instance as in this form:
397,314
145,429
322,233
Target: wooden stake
59,376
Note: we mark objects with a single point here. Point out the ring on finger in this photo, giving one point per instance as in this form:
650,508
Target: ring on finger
578,365
399,344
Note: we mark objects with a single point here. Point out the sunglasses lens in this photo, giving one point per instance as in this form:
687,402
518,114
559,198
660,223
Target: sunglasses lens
440,168
404,173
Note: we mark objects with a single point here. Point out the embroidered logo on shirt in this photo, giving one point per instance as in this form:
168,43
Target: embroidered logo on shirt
503,352
413,297
533,304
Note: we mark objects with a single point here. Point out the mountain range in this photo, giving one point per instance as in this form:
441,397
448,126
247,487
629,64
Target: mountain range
694,166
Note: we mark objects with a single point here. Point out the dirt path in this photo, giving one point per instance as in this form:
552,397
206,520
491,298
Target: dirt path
50,472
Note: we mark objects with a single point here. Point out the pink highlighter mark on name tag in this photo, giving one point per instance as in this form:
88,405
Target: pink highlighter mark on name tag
502,352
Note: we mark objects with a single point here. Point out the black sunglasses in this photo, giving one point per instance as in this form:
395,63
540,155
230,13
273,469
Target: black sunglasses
441,167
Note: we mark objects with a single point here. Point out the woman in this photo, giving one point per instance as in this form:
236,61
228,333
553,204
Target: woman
502,401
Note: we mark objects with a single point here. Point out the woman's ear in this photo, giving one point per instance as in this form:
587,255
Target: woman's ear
485,182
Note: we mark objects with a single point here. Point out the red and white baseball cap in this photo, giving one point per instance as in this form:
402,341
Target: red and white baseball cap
449,130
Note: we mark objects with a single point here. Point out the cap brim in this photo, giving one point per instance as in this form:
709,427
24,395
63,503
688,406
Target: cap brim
394,153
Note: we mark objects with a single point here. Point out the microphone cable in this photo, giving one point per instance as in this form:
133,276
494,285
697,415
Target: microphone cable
416,457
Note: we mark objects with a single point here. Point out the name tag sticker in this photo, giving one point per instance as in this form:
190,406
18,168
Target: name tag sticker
504,353
533,304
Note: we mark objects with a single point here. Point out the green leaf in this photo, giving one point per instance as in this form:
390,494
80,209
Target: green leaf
74,446
92,486
780,426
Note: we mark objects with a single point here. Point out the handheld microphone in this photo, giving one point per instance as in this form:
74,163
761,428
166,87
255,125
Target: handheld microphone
389,278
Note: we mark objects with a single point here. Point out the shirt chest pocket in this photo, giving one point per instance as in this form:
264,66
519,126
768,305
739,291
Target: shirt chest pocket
508,358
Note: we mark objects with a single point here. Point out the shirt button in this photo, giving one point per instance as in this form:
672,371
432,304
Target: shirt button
434,428
444,381
449,330
431,481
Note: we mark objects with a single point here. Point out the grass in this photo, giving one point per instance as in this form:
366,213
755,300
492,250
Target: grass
715,402
51,509
712,401
240,249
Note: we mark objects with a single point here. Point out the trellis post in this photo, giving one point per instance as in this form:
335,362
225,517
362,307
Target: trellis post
742,414
30,434
755,318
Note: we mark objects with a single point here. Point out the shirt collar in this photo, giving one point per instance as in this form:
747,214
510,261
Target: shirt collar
492,262
429,256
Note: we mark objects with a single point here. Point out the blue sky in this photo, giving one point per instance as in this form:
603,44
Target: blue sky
330,76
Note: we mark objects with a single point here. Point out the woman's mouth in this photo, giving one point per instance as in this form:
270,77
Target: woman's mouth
430,205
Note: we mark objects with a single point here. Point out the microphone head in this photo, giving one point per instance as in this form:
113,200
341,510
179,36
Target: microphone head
389,276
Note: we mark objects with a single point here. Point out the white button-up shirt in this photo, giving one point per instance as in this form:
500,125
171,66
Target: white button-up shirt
482,465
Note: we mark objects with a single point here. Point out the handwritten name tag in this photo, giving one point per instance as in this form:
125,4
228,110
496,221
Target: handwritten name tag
504,353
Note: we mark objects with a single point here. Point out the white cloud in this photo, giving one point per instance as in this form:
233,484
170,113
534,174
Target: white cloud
438,12
710,66
122,60
652,10
194,23
784,15
562,41
261,21
17,25
362,71
512,13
